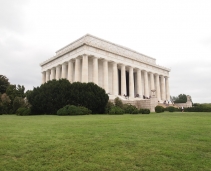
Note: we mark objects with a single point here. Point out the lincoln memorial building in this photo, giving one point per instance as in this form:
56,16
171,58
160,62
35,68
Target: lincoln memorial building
117,69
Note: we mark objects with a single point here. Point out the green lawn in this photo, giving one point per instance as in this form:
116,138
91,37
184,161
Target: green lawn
167,141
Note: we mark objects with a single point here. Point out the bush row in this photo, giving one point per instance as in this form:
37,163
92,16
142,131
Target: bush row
160,109
198,109
73,110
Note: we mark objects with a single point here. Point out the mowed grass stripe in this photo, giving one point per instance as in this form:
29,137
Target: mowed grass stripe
167,141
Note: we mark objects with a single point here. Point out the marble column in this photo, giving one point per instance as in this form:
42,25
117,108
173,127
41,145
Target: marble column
70,71
123,80
77,67
152,83
53,72
47,75
139,84
58,73
64,70
131,82
95,70
146,84
115,79
43,77
105,75
167,89
163,97
157,80
85,69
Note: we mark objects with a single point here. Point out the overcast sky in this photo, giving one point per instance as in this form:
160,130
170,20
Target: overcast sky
177,33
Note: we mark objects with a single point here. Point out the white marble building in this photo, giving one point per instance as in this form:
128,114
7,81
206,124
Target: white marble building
117,69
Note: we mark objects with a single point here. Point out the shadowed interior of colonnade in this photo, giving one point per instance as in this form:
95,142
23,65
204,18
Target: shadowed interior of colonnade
127,83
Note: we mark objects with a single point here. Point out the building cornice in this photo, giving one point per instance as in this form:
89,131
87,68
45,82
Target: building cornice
99,43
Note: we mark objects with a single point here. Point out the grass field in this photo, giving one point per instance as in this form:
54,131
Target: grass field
165,142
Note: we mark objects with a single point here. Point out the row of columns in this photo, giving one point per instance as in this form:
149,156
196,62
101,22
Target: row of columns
161,87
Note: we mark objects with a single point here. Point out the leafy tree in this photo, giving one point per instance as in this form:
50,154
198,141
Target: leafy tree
20,91
15,92
4,83
17,103
182,98
4,104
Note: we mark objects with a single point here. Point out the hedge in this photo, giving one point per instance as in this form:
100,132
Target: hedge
73,110
116,110
198,109
159,109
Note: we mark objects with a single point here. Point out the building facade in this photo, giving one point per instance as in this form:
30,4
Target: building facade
117,69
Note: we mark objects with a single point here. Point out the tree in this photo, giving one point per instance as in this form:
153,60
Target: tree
5,104
88,95
49,97
17,103
55,94
182,98
15,92
4,83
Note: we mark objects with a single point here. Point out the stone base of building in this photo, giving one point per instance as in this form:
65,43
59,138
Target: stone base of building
187,104
138,102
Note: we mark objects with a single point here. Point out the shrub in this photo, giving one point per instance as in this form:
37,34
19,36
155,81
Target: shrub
118,102
135,111
73,110
130,109
84,110
159,109
23,111
140,111
166,109
108,107
116,110
27,111
145,111
171,109
63,111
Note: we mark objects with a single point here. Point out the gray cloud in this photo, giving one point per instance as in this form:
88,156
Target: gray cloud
191,78
11,15
31,31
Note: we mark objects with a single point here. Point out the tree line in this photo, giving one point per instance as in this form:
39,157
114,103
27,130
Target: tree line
11,96
49,97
